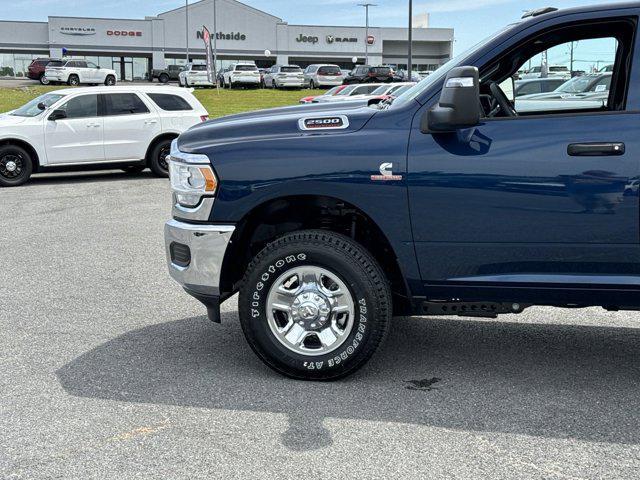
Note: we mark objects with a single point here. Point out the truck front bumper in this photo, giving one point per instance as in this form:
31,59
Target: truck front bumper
194,255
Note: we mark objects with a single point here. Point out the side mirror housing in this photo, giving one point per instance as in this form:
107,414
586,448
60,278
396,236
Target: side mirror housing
42,106
57,115
459,103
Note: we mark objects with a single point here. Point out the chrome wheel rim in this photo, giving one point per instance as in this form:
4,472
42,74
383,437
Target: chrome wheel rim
310,310
11,166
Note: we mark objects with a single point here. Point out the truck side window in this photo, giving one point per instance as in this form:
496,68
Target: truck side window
580,64
590,62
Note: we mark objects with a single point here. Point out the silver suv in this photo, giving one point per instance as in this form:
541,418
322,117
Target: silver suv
323,75
281,76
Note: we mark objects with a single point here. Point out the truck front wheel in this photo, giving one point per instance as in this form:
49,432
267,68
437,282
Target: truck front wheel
314,305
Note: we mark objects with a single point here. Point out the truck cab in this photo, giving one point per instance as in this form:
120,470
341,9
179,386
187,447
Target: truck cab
447,201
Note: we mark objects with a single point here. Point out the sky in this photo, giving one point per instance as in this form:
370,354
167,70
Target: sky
473,20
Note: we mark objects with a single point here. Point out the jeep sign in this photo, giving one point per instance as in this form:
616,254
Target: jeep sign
307,39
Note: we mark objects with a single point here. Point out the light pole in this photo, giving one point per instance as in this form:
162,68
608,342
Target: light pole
186,16
366,40
410,52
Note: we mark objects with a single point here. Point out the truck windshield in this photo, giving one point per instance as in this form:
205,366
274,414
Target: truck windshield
441,72
31,109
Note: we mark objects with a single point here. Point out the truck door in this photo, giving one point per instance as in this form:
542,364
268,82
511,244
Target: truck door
546,197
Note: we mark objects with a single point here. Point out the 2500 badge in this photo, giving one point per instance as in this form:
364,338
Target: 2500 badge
324,123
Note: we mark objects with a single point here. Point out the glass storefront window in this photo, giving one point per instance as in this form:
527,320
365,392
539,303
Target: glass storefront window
16,64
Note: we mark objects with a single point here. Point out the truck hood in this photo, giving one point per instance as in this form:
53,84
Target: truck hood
273,123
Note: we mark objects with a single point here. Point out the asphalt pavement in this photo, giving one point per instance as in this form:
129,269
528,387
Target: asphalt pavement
108,370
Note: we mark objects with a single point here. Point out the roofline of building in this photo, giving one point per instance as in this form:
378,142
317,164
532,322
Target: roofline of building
371,27
100,18
24,21
232,1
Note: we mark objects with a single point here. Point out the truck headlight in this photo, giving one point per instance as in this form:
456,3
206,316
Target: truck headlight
191,177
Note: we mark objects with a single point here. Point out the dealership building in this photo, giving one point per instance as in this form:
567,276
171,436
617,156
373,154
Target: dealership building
134,46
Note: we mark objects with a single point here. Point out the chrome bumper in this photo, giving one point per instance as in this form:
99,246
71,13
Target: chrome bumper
207,246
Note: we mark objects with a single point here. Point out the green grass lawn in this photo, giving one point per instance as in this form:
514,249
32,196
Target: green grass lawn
225,102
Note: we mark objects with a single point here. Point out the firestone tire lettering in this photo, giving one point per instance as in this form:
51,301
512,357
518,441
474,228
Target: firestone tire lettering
340,255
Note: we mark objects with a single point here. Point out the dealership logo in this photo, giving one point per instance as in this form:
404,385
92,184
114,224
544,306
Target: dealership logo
78,31
236,36
307,39
333,39
123,33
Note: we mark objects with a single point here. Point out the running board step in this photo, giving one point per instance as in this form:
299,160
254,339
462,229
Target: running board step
471,309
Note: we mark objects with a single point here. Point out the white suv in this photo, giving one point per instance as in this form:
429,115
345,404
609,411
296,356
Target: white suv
194,75
75,72
281,76
323,75
242,74
120,127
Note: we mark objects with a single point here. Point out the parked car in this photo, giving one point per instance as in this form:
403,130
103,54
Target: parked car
403,76
576,88
323,75
194,75
263,72
331,220
553,71
369,74
348,92
537,85
76,72
165,75
390,96
37,68
120,127
283,76
241,74
388,92
369,91
328,93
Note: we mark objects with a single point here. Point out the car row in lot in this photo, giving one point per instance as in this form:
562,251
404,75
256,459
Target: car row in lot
362,92
70,72
128,127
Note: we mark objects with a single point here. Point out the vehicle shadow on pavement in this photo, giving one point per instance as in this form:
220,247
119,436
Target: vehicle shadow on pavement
557,381
51,178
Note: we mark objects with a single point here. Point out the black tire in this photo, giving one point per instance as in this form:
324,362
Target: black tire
110,80
44,80
343,258
163,78
158,161
134,169
73,80
16,166
312,85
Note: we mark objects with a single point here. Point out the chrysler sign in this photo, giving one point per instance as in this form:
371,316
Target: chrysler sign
78,31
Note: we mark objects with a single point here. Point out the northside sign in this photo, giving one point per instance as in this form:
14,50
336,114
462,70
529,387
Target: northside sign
236,36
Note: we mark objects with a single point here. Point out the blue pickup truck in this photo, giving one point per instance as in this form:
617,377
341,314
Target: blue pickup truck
329,220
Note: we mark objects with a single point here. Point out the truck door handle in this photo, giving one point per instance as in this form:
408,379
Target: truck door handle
596,149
